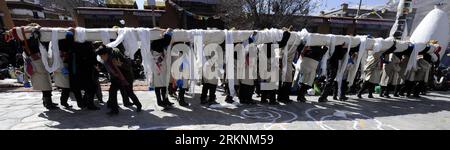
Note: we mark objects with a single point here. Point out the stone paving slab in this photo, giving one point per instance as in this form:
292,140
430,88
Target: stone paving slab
24,110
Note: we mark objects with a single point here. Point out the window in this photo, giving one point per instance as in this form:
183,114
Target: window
35,15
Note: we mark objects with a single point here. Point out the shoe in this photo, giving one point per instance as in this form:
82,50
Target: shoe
82,105
396,95
92,107
264,101
285,101
248,102
113,112
66,105
47,102
204,102
359,96
301,99
168,103
323,100
370,96
129,104
229,100
343,99
138,108
183,103
274,103
212,103
335,98
252,102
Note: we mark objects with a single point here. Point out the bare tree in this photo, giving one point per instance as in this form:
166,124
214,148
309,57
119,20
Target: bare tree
258,14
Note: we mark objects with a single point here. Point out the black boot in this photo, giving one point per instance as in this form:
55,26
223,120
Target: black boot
417,89
264,98
284,92
344,88
396,90
47,101
335,91
65,94
387,91
409,86
423,88
302,92
382,89
159,97
113,112
212,95
363,88
138,106
89,98
181,101
327,91
272,98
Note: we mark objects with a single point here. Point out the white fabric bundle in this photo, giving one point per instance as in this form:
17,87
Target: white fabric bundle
333,43
106,37
382,45
315,39
343,65
19,33
355,41
80,35
401,46
294,38
127,36
362,54
304,34
214,36
239,37
433,27
229,58
232,37
47,36
147,58
53,50
412,63
199,51
268,36
294,41
181,36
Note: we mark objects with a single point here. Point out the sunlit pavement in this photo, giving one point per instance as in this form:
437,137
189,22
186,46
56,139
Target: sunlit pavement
24,110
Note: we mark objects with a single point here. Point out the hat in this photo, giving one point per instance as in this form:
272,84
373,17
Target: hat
103,50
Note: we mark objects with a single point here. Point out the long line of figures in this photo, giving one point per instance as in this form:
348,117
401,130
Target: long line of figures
75,69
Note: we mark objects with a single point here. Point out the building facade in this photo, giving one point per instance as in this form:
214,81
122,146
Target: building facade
24,12
116,10
344,21
192,14
346,11
183,14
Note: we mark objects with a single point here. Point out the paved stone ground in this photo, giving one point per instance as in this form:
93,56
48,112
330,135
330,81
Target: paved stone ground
24,110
